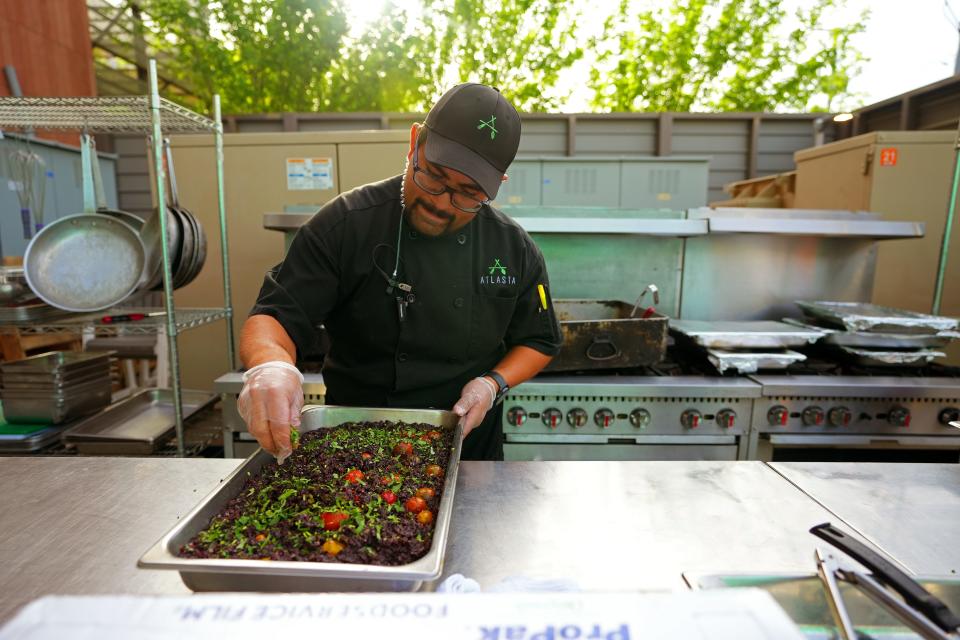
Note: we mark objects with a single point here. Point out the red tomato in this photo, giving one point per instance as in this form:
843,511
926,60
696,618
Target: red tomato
389,496
426,493
354,476
331,521
434,435
415,504
425,516
433,470
366,456
260,537
403,449
391,478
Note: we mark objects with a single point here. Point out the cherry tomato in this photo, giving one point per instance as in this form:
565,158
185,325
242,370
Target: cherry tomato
434,435
425,516
331,521
415,504
403,449
332,547
389,496
426,493
354,476
366,456
260,537
391,478
433,470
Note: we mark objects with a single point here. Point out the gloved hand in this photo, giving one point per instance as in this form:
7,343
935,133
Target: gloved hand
475,400
270,404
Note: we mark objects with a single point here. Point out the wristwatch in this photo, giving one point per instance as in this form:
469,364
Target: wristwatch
502,385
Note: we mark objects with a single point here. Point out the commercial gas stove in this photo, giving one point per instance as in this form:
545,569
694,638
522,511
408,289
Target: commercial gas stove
857,414
684,410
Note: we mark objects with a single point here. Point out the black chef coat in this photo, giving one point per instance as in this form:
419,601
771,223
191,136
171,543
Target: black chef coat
474,294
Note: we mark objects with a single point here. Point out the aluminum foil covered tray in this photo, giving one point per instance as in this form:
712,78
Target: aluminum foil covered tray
863,316
752,361
217,574
746,334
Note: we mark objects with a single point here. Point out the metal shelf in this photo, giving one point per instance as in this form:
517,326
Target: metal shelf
91,322
154,117
123,114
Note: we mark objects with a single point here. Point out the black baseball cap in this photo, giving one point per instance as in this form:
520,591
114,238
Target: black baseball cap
476,131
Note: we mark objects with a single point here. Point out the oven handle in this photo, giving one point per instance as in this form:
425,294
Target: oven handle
934,442
562,438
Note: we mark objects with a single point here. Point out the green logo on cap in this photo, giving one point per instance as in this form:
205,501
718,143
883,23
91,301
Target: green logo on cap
490,123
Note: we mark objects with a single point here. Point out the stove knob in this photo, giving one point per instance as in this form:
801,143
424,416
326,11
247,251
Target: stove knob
726,418
839,417
778,415
690,418
603,418
640,418
576,417
899,417
516,416
552,417
812,416
948,415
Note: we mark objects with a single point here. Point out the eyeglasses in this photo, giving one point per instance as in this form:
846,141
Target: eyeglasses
434,186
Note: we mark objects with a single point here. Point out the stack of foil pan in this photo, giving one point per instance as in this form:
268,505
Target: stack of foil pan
55,387
873,335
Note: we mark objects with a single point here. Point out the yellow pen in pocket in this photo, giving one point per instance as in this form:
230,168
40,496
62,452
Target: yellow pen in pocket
543,297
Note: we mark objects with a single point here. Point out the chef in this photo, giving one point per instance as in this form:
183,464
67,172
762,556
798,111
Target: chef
431,297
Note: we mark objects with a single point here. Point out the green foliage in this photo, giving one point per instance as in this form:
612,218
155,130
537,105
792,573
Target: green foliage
259,55
298,55
726,55
519,46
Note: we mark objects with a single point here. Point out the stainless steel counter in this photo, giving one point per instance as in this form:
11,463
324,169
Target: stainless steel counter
627,525
910,511
78,525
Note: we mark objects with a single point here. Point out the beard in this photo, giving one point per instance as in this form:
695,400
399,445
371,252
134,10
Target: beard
415,216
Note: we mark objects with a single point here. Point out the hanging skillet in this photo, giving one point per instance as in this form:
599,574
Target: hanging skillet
193,249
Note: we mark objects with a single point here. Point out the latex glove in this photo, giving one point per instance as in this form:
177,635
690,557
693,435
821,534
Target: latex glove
475,400
270,404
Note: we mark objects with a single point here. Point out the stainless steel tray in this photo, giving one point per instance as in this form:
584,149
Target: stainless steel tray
862,316
746,334
878,340
32,410
877,358
136,425
30,442
53,361
752,361
57,378
290,576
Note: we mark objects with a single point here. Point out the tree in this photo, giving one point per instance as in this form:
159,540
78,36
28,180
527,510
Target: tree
519,46
726,55
259,55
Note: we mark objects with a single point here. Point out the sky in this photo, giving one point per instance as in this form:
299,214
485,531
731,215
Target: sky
909,43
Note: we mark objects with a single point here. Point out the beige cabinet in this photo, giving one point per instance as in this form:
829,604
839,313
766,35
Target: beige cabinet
263,173
905,175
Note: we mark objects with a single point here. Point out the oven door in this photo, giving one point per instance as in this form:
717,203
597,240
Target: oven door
773,447
524,447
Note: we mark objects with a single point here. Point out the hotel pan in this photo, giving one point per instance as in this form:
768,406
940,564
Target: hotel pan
136,425
292,576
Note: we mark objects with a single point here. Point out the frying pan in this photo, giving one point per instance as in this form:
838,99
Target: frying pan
84,262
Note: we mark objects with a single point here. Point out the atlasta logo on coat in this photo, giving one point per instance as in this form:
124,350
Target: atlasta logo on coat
497,274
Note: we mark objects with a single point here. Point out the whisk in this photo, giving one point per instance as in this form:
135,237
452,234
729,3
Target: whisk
29,172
